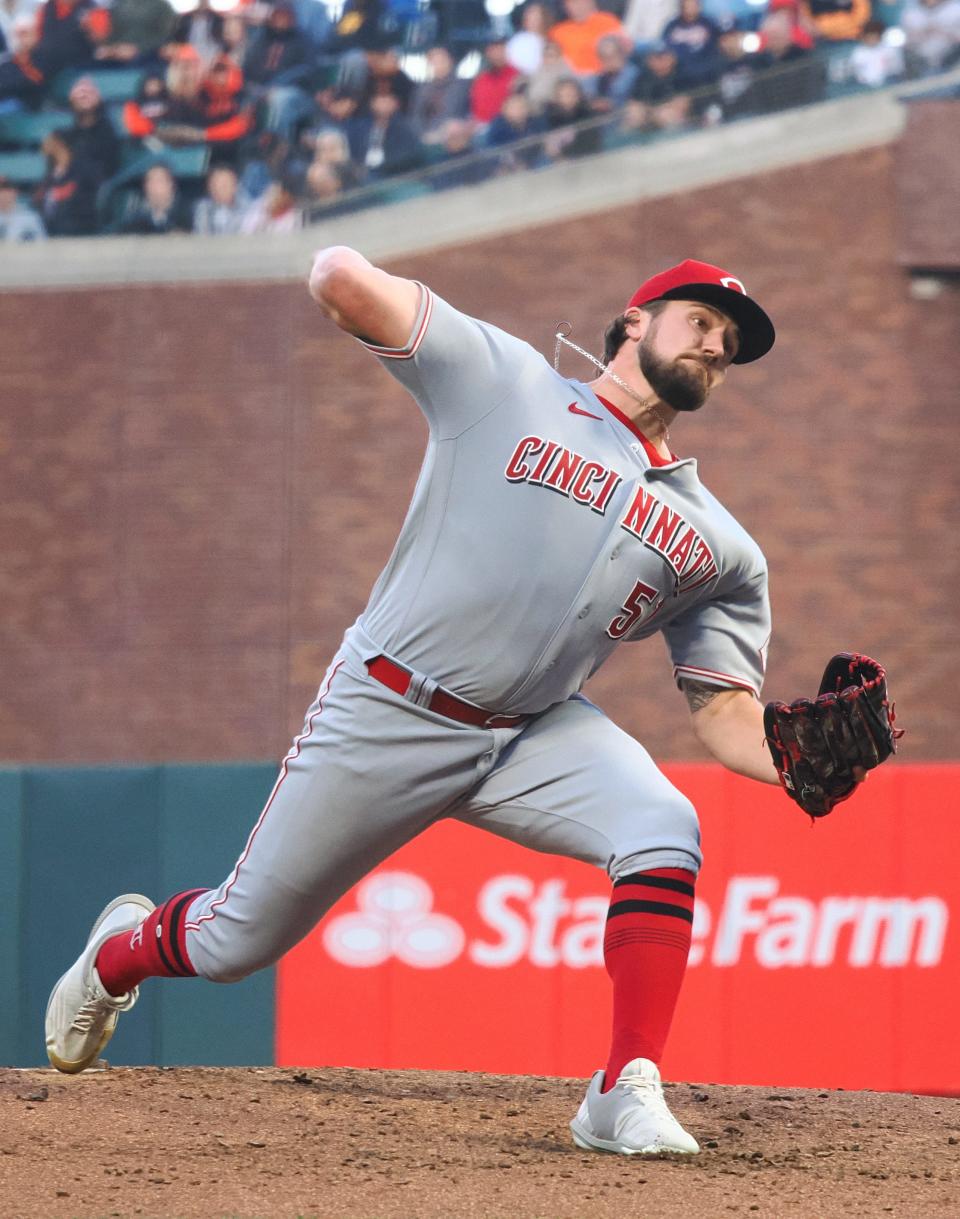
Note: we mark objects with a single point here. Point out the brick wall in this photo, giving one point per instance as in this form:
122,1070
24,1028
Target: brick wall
201,482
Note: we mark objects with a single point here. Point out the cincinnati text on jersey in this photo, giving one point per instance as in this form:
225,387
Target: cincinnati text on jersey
547,463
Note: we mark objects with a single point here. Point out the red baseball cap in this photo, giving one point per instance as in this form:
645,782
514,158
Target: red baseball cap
700,281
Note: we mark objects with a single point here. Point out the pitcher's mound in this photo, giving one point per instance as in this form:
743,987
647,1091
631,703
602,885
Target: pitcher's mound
214,1143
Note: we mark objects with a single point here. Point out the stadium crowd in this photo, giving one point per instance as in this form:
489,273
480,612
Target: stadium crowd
263,116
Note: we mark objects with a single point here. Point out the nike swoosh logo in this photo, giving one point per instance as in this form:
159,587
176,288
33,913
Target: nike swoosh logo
578,410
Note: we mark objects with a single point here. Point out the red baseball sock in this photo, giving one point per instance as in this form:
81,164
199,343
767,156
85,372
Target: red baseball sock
645,949
156,949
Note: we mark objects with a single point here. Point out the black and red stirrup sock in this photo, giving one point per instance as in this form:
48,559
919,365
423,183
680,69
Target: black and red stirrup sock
645,948
155,949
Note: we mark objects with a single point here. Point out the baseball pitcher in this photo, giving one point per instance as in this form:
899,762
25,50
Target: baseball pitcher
551,522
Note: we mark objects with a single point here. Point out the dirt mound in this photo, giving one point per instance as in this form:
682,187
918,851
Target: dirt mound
201,1143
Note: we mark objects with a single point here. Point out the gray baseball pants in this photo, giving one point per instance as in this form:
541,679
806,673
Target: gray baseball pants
371,770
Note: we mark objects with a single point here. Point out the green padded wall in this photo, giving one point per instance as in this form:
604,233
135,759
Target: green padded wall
71,839
12,1011
207,814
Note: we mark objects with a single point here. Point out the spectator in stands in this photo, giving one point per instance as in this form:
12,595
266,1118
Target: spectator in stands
644,20
197,109
568,108
327,147
313,21
932,29
23,38
92,136
384,75
516,121
223,207
542,83
227,114
836,20
67,196
362,24
658,102
786,75
461,24
276,210
335,106
277,66
461,164
332,150
322,185
578,36
525,47
383,141
161,208
441,97
12,11
801,29
279,51
141,114
613,86
735,80
139,29
236,35
873,62
695,40
18,222
493,83
202,29
66,34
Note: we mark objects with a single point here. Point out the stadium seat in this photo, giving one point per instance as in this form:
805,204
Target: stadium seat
191,161
24,168
29,130
115,84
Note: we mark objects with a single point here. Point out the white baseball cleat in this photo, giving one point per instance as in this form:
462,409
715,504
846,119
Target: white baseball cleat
81,1016
632,1119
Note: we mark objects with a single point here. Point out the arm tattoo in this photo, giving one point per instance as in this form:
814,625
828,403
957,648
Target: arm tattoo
698,694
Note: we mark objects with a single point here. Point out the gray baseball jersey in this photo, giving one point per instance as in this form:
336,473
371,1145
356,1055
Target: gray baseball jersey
541,534
544,530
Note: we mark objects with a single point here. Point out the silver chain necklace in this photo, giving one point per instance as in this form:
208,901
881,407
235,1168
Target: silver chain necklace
561,337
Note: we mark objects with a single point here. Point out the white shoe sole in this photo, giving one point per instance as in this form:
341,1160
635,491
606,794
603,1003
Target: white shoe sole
589,1142
66,1065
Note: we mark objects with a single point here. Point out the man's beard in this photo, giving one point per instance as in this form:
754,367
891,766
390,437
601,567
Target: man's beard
682,384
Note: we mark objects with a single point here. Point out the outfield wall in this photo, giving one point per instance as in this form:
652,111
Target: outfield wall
823,955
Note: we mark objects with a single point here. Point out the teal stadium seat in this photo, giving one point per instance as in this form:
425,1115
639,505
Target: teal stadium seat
26,168
29,130
115,84
188,161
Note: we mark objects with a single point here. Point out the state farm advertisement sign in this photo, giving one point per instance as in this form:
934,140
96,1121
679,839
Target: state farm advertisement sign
822,955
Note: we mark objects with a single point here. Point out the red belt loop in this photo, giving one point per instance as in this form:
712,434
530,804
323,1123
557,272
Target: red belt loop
395,677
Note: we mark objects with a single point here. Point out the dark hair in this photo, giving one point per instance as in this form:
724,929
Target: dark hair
616,333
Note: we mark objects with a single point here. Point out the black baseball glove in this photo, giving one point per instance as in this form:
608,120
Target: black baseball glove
818,743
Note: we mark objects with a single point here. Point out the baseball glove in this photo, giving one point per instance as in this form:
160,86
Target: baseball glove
816,744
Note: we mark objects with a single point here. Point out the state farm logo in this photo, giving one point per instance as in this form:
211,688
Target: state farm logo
394,919
522,921
790,931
